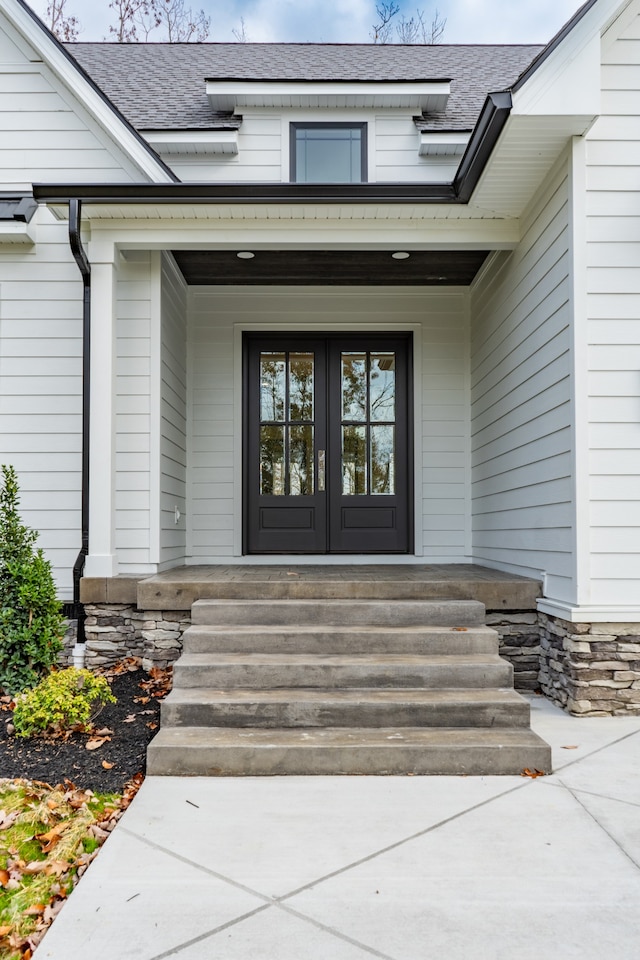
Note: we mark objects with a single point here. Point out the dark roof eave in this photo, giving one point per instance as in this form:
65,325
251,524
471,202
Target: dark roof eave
480,146
493,117
246,193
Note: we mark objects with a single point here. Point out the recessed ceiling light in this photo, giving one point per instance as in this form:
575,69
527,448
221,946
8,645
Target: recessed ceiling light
245,255
401,255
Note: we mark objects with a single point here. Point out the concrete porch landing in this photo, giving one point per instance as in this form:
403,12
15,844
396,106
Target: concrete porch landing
179,588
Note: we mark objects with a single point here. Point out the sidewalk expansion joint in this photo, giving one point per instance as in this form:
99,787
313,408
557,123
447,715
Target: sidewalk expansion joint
399,843
613,839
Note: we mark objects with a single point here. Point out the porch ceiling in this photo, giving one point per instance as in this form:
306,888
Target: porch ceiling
339,267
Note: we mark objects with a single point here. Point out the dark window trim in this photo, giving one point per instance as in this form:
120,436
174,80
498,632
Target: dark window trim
294,126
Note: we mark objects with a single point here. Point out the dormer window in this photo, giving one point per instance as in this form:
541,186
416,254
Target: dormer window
328,152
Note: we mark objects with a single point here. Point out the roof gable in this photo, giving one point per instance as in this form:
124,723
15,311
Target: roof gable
28,33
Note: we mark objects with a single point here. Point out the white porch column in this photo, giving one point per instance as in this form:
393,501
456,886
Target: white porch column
102,560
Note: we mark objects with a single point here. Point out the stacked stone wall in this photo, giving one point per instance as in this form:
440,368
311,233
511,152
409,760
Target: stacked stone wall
588,669
591,669
519,644
117,630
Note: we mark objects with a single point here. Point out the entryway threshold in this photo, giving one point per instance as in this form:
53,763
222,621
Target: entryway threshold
179,588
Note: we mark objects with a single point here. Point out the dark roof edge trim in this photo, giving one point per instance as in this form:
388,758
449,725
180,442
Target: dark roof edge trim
553,44
94,86
492,119
493,116
328,80
131,193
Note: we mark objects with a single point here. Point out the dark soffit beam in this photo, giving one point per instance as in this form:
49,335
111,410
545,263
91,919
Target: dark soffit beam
330,267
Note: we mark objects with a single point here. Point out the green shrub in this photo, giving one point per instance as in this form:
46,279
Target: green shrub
31,622
62,701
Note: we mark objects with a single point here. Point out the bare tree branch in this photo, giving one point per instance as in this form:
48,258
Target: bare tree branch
240,33
415,29
62,25
182,24
128,13
381,32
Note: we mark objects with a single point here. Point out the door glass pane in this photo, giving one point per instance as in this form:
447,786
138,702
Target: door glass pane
382,459
272,462
273,372
382,387
354,386
301,461
354,461
301,386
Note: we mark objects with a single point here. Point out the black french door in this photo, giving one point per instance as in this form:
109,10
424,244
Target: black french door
328,458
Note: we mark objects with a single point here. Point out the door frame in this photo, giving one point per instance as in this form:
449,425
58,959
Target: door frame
252,333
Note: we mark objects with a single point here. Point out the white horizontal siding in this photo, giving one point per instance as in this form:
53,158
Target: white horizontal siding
215,418
395,147
40,390
613,330
173,416
263,150
45,133
520,400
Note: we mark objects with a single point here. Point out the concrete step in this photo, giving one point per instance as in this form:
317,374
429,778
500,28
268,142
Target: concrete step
325,639
262,670
378,613
200,751
204,707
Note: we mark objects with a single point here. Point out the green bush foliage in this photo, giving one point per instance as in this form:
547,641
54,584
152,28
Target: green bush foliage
64,700
31,622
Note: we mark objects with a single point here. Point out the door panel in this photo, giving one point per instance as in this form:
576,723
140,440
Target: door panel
286,425
368,445
327,465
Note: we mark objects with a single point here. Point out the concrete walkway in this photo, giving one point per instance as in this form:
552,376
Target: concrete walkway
402,868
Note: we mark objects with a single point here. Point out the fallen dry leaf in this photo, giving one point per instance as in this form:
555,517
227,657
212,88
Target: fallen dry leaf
4,931
96,742
35,910
152,725
572,746
107,765
105,732
4,878
534,774
460,629
36,866
130,718
49,839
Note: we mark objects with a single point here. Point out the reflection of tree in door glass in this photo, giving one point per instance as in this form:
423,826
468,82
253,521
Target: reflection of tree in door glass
301,386
382,387
272,386
272,467
354,386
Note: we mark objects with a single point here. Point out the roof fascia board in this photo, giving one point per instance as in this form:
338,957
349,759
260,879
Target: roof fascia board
564,79
425,95
63,65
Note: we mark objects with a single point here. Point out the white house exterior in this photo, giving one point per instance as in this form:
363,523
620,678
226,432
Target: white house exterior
511,177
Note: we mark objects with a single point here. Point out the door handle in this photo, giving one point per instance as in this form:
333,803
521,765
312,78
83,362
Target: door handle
321,470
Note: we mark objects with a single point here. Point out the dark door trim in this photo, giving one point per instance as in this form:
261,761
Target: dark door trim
332,537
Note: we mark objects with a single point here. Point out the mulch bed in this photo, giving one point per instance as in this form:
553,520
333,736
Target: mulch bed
126,726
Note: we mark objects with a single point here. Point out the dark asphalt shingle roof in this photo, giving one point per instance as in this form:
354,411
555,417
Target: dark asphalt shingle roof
160,86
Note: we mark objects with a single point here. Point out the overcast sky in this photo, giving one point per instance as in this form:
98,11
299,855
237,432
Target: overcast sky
350,21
